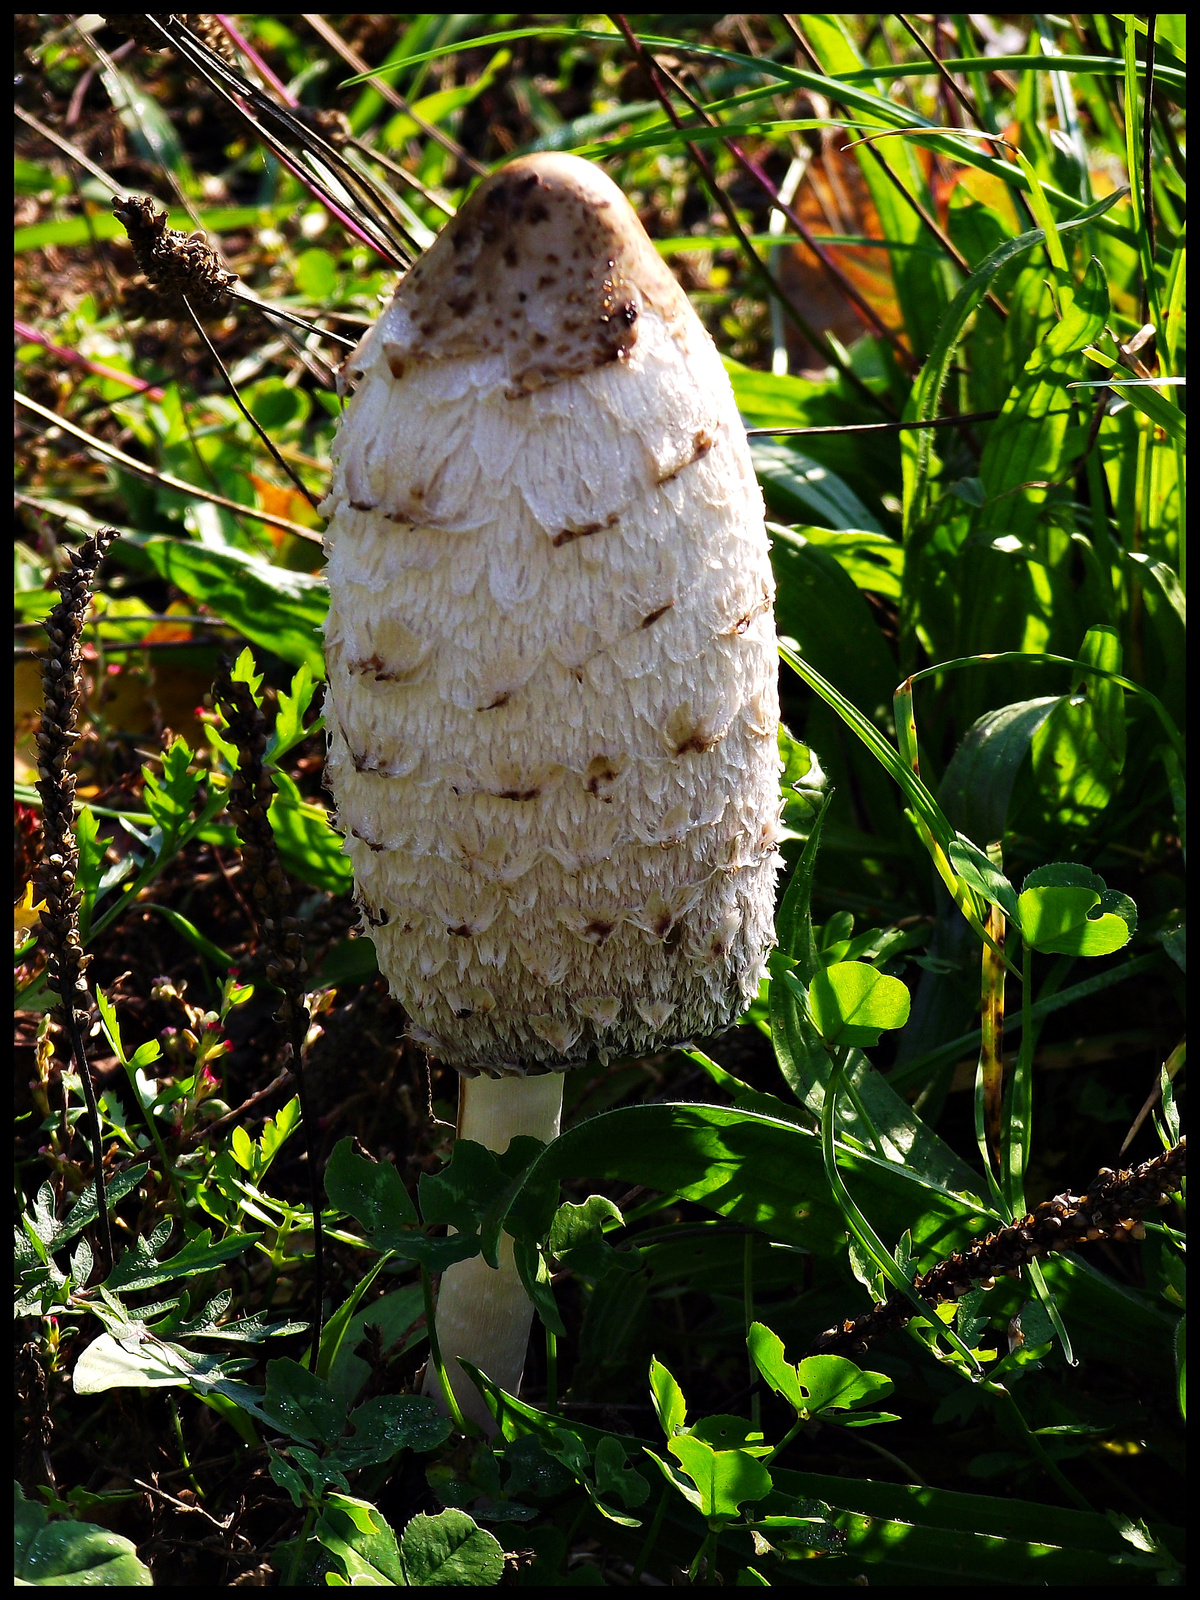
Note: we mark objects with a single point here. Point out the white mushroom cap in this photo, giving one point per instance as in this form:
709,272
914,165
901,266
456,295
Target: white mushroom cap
552,667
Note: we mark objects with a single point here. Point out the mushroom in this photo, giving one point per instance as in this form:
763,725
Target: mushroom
552,703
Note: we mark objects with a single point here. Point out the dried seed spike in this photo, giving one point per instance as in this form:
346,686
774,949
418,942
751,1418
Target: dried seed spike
174,263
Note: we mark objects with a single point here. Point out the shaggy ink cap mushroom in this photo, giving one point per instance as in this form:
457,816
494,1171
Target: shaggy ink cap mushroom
552,701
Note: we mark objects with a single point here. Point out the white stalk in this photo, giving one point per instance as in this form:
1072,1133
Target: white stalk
483,1313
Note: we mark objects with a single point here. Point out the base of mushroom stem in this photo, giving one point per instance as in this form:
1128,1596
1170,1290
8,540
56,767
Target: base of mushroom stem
483,1313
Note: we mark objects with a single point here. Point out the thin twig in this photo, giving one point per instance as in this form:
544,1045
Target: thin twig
165,478
247,413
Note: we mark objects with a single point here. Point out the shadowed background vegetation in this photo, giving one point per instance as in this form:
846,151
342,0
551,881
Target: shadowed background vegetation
976,224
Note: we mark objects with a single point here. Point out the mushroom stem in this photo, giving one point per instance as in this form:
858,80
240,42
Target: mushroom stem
484,1313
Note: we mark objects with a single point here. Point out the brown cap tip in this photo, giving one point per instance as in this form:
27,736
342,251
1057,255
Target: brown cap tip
546,263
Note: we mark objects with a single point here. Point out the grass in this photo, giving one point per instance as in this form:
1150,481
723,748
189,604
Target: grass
954,236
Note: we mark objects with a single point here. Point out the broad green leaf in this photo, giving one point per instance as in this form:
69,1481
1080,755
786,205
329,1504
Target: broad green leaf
450,1549
818,604
817,1383
71,1554
280,610
1057,921
615,1477
803,490
870,560
978,782
903,1534
725,1479
1030,446
301,1404
851,1003
730,1433
766,1173
382,1427
359,1537
308,845
577,1238
369,1191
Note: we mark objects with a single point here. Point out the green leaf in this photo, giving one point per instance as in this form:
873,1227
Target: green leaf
730,1433
1079,750
969,861
301,1404
369,1191
83,1213
289,727
1028,447
577,1238
90,869
169,798
725,1479
804,491
309,847
802,1059
669,1404
870,560
68,1553
851,1003
450,1549
818,605
382,1427
615,1477
315,275
978,782
136,1359
818,1383
362,1540
917,447
280,610
1058,921
138,1266
190,934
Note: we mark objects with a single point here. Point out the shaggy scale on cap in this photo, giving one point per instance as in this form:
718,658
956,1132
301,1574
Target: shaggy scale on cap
552,667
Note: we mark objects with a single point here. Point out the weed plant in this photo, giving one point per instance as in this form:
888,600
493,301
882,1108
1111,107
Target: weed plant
808,1312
